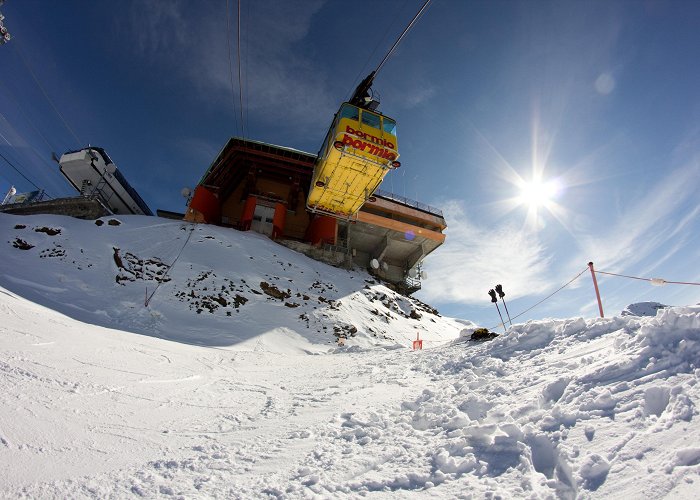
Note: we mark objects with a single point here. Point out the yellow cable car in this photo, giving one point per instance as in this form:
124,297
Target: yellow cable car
359,149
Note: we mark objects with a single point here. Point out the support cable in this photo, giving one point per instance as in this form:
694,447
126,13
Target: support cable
374,51
26,116
405,32
240,81
547,297
20,173
149,297
658,281
247,58
36,80
230,64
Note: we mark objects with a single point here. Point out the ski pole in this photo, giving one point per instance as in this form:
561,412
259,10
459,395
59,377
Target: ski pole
501,294
495,301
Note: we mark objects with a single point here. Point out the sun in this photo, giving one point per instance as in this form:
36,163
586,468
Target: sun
538,193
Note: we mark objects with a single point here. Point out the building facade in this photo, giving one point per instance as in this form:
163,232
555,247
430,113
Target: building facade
262,187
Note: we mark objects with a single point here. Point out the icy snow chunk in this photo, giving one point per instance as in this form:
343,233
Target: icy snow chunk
554,391
448,464
682,408
643,309
594,471
686,457
603,401
656,400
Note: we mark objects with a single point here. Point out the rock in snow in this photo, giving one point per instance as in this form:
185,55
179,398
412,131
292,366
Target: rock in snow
222,389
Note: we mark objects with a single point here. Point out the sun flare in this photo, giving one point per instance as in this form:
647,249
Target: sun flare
538,193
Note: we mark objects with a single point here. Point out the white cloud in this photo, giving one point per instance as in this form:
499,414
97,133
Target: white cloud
474,259
649,224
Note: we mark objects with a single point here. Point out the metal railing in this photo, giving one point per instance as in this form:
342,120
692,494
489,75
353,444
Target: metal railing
408,202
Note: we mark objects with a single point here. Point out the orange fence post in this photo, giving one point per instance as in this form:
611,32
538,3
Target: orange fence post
597,292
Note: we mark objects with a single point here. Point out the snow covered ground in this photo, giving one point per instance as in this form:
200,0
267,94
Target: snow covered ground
256,372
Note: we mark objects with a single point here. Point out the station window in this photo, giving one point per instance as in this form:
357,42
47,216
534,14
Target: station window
370,119
389,126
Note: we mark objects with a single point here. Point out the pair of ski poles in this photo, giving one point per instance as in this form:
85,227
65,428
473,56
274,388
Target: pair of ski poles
492,293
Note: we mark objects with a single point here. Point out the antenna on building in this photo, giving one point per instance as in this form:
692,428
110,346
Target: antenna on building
186,194
10,193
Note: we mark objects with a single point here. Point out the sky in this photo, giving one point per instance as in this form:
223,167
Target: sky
596,102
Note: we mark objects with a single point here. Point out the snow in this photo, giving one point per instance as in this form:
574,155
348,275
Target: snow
643,309
306,387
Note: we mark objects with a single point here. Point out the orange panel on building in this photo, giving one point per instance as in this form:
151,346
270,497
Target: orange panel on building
248,211
323,229
206,203
278,220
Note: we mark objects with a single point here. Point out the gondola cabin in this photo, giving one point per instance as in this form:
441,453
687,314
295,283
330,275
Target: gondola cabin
359,149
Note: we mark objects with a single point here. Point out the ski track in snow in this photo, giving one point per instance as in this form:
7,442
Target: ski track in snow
568,408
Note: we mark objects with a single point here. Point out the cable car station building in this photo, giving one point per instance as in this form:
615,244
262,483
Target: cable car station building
262,187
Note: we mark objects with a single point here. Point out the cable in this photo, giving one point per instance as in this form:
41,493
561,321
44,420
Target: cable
20,173
661,281
405,32
363,91
547,297
247,58
230,64
26,116
148,298
26,64
240,81
381,40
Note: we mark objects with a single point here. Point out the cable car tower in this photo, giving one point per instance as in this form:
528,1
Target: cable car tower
358,151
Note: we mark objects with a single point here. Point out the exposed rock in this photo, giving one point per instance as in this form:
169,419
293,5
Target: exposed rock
273,291
21,244
48,230
344,331
132,268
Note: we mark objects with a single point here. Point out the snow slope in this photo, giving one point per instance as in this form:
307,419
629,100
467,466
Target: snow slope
226,289
169,402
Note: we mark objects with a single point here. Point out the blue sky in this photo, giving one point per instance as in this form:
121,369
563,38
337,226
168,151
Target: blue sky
599,98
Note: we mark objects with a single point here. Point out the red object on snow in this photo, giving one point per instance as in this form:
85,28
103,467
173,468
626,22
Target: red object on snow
418,343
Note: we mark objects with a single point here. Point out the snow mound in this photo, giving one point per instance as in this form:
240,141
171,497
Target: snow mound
643,309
